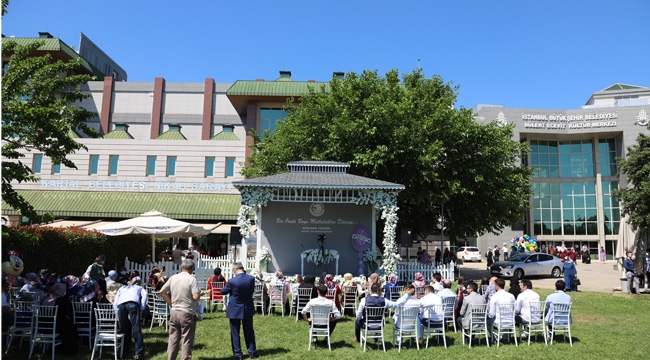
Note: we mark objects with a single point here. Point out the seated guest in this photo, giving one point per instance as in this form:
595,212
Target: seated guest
419,280
215,294
294,290
337,289
374,300
472,298
259,279
156,278
280,279
388,287
490,289
515,290
335,314
446,290
123,276
31,285
559,296
522,305
56,296
112,286
436,282
309,283
501,296
374,278
427,314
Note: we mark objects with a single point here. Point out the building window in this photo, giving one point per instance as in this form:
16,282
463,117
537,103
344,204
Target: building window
269,118
151,165
228,128
94,165
37,161
611,210
567,208
607,154
56,169
171,166
113,161
209,166
230,167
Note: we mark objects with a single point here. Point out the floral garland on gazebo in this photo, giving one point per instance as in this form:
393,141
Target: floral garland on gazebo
386,202
252,199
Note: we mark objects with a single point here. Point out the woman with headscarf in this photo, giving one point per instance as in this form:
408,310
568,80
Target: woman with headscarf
373,279
56,296
490,258
419,280
515,290
280,279
32,285
73,286
329,282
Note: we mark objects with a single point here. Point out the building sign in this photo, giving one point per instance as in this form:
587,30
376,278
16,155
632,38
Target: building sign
562,121
126,185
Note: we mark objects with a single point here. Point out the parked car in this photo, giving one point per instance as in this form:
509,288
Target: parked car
528,264
468,253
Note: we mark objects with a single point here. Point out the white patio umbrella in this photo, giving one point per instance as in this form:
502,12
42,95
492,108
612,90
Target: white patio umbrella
153,223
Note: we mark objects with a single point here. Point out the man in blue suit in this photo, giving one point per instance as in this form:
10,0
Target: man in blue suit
240,310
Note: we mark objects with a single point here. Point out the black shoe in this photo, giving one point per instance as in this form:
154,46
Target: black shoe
255,356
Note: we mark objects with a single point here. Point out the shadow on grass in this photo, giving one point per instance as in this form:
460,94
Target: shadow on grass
260,352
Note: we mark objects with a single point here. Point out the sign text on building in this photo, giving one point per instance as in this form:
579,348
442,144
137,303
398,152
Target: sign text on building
561,121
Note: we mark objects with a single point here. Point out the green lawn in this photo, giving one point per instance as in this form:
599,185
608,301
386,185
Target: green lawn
605,326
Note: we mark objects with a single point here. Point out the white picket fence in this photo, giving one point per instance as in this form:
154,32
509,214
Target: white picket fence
204,267
406,271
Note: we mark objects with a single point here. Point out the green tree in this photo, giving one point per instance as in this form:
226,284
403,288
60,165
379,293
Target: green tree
406,132
635,198
38,114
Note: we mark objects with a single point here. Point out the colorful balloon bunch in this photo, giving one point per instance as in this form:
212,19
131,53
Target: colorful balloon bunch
524,243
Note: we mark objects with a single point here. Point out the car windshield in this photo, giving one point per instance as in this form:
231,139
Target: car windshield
518,257
473,249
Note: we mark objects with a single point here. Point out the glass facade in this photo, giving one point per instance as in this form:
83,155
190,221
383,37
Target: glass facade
56,169
94,165
269,118
564,187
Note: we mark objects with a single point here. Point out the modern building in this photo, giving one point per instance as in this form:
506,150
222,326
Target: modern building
178,147
574,154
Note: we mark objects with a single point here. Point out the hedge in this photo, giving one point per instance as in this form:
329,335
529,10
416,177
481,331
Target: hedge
69,251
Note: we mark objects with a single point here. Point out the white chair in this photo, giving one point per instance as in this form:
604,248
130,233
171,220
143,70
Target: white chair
396,292
373,326
304,295
106,334
215,295
160,312
320,324
477,325
350,298
294,297
560,321
23,323
12,296
276,297
506,325
82,314
435,327
44,329
536,323
450,314
258,296
419,292
407,326
104,306
331,295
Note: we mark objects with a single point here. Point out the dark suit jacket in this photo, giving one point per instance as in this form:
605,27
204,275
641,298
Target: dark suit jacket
240,304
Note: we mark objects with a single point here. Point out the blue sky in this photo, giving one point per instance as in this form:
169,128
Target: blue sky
549,54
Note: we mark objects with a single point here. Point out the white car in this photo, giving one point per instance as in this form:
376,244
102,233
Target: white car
469,253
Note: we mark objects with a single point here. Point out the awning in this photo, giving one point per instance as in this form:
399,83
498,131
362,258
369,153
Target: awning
98,224
123,205
225,229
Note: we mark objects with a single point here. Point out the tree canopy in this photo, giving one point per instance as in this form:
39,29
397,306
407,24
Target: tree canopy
38,114
636,197
406,131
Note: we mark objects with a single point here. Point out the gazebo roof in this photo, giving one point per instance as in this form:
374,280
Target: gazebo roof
318,175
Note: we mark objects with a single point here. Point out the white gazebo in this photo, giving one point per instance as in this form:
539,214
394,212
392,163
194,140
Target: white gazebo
319,199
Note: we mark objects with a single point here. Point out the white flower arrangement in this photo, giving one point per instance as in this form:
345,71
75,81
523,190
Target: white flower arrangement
263,258
315,256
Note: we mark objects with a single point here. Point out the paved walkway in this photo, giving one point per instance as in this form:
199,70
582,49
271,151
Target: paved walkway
596,276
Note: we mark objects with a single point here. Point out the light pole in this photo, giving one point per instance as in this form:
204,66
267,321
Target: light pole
441,224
